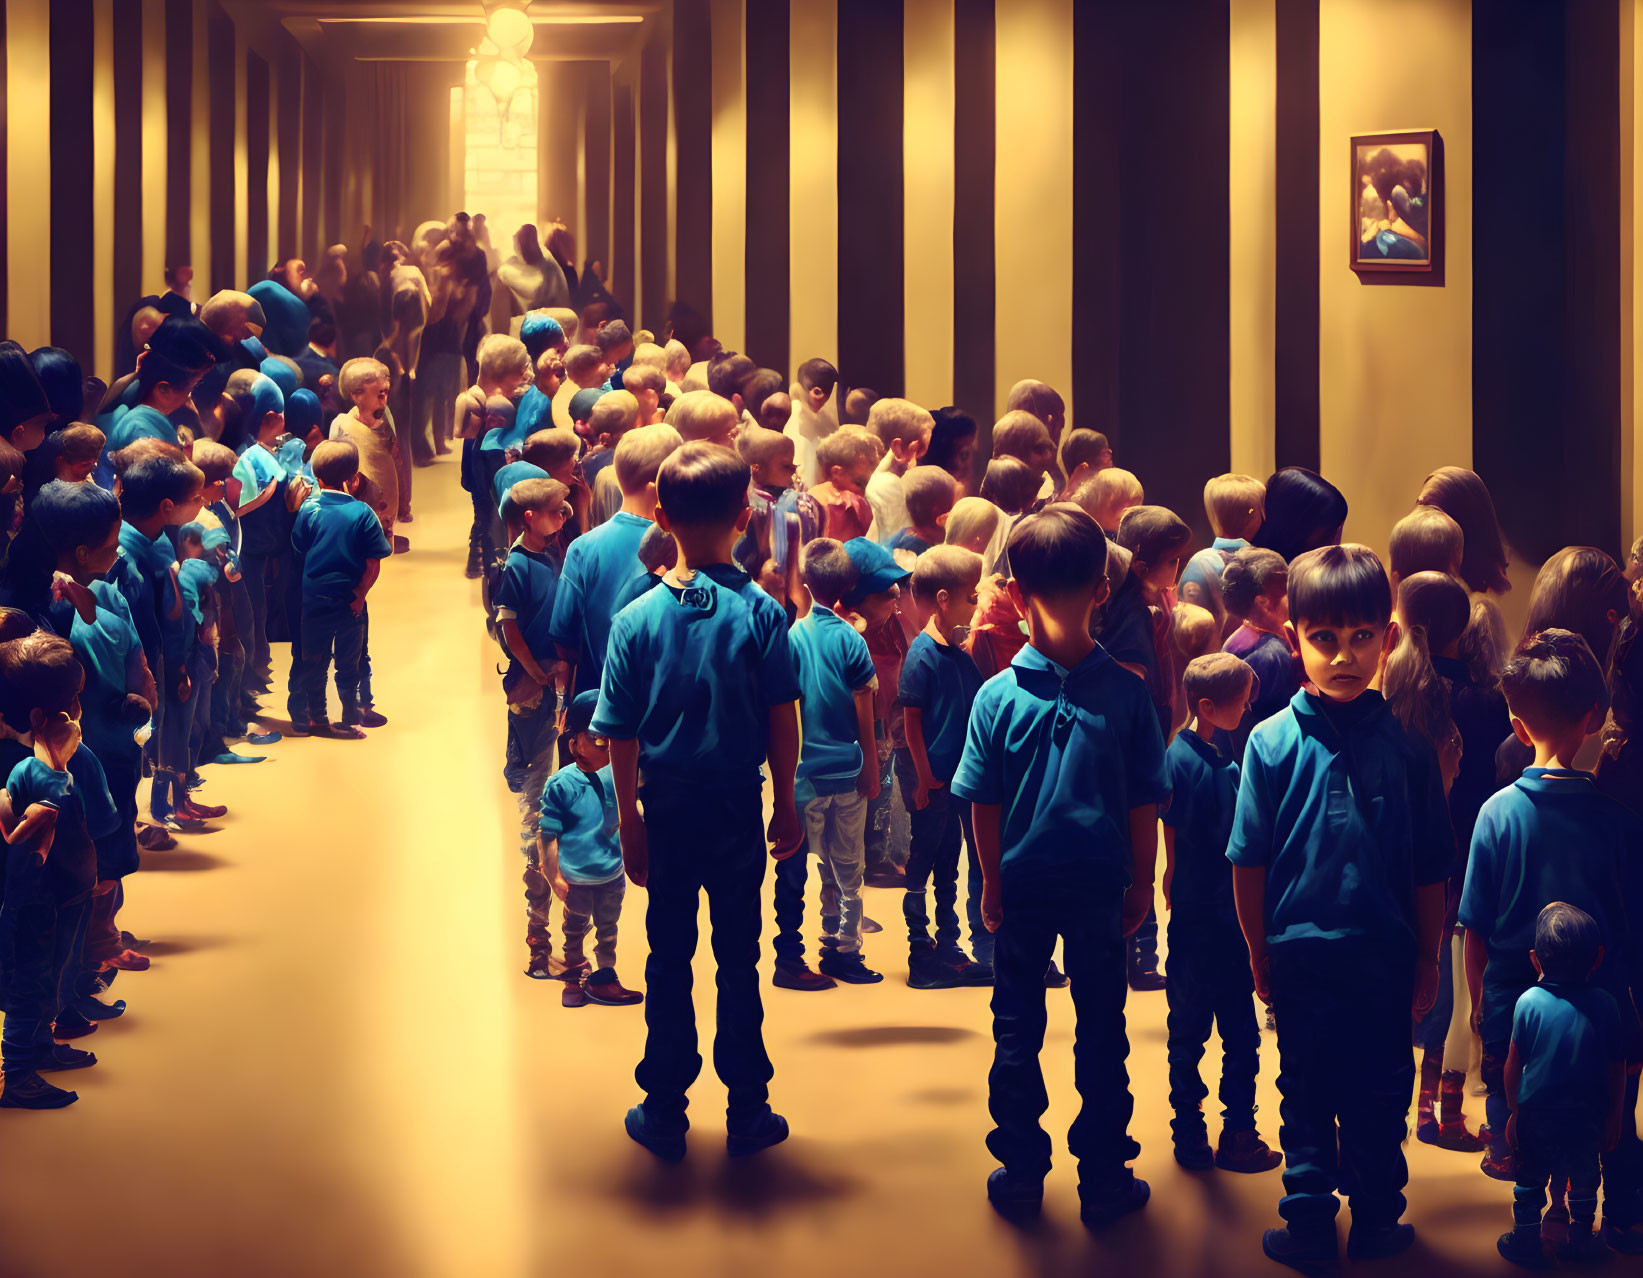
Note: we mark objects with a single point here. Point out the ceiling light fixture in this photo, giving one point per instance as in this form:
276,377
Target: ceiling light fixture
501,61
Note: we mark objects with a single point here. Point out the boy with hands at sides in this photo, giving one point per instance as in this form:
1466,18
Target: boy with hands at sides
1064,766
698,691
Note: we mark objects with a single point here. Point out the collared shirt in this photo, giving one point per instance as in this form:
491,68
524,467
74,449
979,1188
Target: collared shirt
337,535
1569,1038
1204,795
597,566
940,680
525,593
833,664
579,809
1067,754
108,648
531,414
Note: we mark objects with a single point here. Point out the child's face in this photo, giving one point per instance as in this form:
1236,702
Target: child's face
876,609
853,478
1225,715
546,523
955,609
213,492
29,435
182,512
775,473
590,752
1164,574
273,426
1340,660
75,472
372,397
170,396
97,560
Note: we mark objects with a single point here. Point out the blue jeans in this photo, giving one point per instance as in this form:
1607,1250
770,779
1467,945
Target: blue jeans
1210,984
940,831
1552,1147
40,947
330,631
713,841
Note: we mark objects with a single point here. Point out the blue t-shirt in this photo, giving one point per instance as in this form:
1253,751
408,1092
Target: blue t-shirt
194,578
1549,836
512,474
139,422
337,534
940,681
597,566
85,812
533,406
832,663
1068,754
1277,678
579,809
147,566
693,674
1204,570
1568,1038
261,530
1203,796
909,541
525,594
1346,812
108,649
636,588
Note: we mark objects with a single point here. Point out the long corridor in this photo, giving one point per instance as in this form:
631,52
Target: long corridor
337,1067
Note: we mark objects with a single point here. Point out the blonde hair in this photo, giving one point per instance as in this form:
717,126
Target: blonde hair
846,446
640,377
567,321
701,416
677,357
1019,434
899,419
972,519
1425,540
650,355
616,413
1106,490
357,374
949,568
582,360
641,454
552,447
694,378
500,355
928,492
1197,633
1232,502
759,446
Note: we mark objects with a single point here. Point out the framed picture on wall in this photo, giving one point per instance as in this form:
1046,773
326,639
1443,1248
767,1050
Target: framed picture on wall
1395,193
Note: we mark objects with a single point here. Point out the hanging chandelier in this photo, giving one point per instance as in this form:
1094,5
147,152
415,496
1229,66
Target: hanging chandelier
500,62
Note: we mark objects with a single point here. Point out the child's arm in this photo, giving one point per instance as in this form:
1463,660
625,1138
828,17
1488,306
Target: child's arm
784,834
1477,960
1169,861
174,610
547,851
912,722
1249,894
868,783
985,819
1431,905
1143,865
515,639
140,679
261,499
624,772
373,570
1514,1076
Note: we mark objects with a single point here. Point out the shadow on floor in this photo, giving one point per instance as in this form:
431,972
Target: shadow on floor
779,1180
184,945
892,1036
181,861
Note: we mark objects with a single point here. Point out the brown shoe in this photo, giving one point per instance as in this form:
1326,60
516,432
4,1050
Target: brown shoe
128,961
1245,1151
573,995
603,988
155,838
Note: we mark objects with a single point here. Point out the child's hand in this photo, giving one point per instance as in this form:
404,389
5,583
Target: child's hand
868,784
64,587
921,791
356,606
561,889
1426,987
785,835
231,573
39,822
1137,905
184,688
1261,970
992,906
635,850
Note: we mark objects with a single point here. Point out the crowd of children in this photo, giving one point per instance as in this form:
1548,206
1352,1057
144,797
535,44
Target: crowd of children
975,666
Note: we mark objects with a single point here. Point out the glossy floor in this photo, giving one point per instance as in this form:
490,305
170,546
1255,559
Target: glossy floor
336,1066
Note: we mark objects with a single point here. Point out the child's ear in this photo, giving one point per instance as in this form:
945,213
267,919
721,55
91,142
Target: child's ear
1292,638
1521,732
744,518
662,519
1016,597
1103,588
941,519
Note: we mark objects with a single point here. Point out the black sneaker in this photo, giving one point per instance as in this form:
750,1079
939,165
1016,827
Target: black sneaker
62,1056
1192,1151
848,968
796,976
1377,1242
1146,980
97,1010
1055,978
1308,1253
27,1090
1097,1212
665,1140
1015,1197
925,972
968,973
1523,1249
746,1136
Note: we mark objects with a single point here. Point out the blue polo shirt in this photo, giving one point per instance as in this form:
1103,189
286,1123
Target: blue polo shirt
511,474
1346,812
337,534
693,673
146,564
138,422
85,813
636,588
597,565
832,663
1549,836
579,809
940,681
528,416
525,594
108,649
1569,1038
1067,754
194,577
1204,794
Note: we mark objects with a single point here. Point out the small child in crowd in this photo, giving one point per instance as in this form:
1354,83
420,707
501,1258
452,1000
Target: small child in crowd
1255,590
1108,494
1083,453
846,460
1235,506
929,494
903,430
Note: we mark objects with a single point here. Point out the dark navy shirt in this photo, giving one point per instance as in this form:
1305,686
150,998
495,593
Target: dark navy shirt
1204,795
1569,1038
336,534
940,680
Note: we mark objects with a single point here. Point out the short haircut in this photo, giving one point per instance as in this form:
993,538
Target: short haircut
972,518
950,568
216,461
1196,631
539,494
776,410
760,385
1020,434
828,570
694,378
614,334
1567,941
858,405
929,492
700,416
551,448
702,485
1438,604
1339,585
80,442
818,374
1010,484
501,355
580,361
123,459
335,462
645,377
1251,573
727,372
759,446
1303,511
657,549
1216,678
1153,533
640,455
1108,488
1232,502
650,355
1425,540
1058,552
846,447
355,375
615,414
1082,448
162,477
1040,399
1553,681
677,355
37,671
899,419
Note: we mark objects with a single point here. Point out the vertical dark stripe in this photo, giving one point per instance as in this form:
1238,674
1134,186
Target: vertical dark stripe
1097,125
975,144
871,110
622,213
313,111
768,198
224,90
693,131
596,148
72,210
290,140
179,130
1295,215
332,179
653,113
256,161
128,160
5,196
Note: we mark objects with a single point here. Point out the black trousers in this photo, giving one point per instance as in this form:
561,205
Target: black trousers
1210,984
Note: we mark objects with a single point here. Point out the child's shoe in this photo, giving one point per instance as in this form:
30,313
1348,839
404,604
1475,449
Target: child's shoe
70,1024
1584,1247
341,732
1377,1242
603,988
968,973
1503,1167
1192,1149
1146,980
228,756
664,1139
1310,1252
848,968
574,995
96,1010
1055,978
1426,1103
27,1090
201,811
62,1056
263,738
1015,1197
1628,1242
369,718
1245,1151
1097,1211
798,976
543,966
749,1135
153,838
926,972
129,961
305,729
1452,1133
1522,1247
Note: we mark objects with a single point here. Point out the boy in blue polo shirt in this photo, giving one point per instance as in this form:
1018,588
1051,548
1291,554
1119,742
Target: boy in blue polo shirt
343,546
836,778
1566,1082
1340,848
698,689
1550,836
581,859
1064,765
938,684
1209,979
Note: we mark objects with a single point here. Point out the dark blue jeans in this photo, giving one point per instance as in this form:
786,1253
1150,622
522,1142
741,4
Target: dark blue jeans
1433,1028
1210,984
254,576
1087,922
792,879
940,833
40,949
713,841
329,631
1551,1147
1346,1071
1143,945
